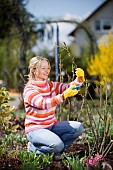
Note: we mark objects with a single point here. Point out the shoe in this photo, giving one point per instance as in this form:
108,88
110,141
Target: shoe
32,148
28,146
58,158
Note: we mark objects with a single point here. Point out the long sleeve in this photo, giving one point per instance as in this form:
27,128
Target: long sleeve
40,101
44,96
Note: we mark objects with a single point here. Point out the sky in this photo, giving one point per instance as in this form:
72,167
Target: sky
67,9
56,8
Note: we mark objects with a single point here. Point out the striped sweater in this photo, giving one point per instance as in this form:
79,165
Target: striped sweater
40,101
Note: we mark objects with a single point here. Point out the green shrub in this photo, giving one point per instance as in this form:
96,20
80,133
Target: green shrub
5,112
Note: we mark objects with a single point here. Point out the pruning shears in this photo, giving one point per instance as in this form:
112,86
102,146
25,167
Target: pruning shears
77,87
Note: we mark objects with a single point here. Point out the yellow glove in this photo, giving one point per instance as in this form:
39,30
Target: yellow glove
80,75
70,92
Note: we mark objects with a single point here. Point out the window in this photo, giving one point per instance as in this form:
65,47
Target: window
97,25
103,25
106,25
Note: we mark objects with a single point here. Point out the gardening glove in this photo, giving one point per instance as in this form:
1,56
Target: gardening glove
80,75
81,89
70,92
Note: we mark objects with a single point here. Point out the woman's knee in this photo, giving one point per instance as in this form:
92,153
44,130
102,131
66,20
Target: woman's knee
81,128
57,147
77,127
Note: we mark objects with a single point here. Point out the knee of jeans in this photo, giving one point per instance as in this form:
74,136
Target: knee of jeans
57,147
81,128
77,127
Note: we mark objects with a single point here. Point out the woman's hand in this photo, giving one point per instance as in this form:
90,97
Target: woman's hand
80,75
70,92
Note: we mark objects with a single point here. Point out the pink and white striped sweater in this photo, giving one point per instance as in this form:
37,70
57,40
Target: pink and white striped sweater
40,101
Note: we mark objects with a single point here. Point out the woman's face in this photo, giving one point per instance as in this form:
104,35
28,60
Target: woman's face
42,72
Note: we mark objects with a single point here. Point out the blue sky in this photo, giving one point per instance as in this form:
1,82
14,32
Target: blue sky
58,8
61,9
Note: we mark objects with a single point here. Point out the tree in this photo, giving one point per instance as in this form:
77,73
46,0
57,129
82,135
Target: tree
101,65
18,33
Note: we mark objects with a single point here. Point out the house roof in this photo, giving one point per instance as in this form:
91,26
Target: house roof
91,15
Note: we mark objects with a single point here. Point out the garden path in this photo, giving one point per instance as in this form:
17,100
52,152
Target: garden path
15,99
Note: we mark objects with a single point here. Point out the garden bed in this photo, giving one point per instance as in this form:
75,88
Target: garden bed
96,139
76,149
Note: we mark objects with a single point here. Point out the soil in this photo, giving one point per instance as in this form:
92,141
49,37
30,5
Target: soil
14,163
9,163
76,149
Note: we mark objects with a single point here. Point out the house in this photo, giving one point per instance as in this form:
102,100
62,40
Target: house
94,28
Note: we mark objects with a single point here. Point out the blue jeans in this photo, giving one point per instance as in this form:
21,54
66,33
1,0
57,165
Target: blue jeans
54,139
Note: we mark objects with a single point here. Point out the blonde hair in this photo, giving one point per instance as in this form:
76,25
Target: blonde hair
35,63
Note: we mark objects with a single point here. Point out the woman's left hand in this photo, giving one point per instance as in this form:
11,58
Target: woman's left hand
80,75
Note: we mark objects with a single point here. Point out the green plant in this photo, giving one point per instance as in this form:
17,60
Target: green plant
5,112
33,161
6,127
2,150
74,162
98,125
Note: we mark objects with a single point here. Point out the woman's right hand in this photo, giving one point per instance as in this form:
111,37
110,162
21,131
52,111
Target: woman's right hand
70,92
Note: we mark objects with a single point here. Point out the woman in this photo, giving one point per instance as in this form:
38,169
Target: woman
46,134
